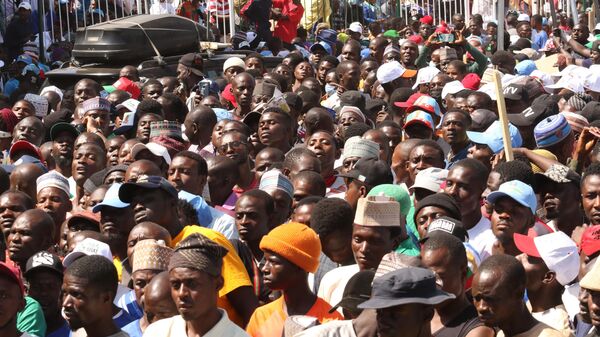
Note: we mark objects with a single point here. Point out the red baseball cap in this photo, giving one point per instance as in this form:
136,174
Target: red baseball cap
526,245
418,39
14,274
25,146
409,101
590,240
128,85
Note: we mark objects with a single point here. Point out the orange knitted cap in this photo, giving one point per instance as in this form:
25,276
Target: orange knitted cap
296,243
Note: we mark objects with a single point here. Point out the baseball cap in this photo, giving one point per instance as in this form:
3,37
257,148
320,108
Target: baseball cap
124,84
419,117
234,62
25,5
492,137
130,104
409,102
23,57
128,190
194,62
524,88
590,240
482,119
13,274
356,27
88,247
430,179
541,107
426,103
327,35
569,82
63,127
321,45
516,190
452,88
87,217
471,81
44,260
557,250
111,199
154,148
357,290
525,67
425,75
523,17
448,225
24,146
404,286
370,172
390,71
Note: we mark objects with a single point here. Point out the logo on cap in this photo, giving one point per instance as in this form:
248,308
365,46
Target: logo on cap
42,259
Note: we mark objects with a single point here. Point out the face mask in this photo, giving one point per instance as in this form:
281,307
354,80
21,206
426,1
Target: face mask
330,89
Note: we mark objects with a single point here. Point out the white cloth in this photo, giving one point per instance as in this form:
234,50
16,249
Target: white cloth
333,283
337,189
224,224
570,299
175,327
330,329
482,238
556,318
162,8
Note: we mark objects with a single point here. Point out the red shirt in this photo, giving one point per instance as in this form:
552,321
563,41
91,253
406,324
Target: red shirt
285,29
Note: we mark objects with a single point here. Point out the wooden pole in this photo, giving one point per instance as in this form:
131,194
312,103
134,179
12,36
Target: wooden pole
508,151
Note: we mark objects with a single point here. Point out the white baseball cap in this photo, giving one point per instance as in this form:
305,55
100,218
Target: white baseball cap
570,82
25,5
88,246
389,71
130,104
425,75
156,149
523,17
430,179
356,27
557,250
452,88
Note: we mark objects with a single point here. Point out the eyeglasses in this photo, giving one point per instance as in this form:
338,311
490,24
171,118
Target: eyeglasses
233,145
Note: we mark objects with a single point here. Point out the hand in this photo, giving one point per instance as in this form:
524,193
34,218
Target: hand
460,39
587,140
433,40
382,116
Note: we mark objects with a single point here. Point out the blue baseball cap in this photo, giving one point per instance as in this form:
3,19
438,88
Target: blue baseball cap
25,59
516,190
321,45
111,199
492,137
419,117
525,67
551,130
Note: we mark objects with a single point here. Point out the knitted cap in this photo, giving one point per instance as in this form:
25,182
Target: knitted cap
296,243
377,211
151,254
551,130
440,200
53,179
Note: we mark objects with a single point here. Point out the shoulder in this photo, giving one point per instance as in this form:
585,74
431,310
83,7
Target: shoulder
162,327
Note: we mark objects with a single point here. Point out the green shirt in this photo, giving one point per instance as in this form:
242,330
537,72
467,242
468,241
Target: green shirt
31,318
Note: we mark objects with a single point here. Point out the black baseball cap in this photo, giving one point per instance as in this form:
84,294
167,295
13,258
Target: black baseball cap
44,260
128,190
63,127
370,172
357,290
353,98
543,106
194,62
448,225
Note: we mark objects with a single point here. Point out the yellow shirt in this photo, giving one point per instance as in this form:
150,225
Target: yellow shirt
119,265
234,273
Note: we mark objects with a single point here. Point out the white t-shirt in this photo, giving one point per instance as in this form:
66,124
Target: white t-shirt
333,283
482,238
330,329
175,327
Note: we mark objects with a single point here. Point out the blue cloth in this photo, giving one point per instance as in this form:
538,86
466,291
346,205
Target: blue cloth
123,318
63,331
11,86
462,154
129,304
369,13
202,208
133,329
364,53
538,39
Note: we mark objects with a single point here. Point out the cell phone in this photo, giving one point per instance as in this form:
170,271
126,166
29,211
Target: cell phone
203,88
448,38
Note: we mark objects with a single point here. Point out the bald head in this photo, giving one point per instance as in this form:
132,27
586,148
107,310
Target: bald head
307,183
88,137
158,303
222,177
507,271
400,158
32,231
145,231
199,124
141,167
379,137
23,178
317,119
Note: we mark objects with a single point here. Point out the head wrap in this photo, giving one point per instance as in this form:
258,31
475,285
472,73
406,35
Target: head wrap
200,253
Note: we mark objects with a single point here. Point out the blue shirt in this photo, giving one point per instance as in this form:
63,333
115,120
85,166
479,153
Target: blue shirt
130,306
369,13
133,329
538,39
63,331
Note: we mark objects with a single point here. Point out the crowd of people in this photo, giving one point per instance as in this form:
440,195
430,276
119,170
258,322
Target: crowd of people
360,187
